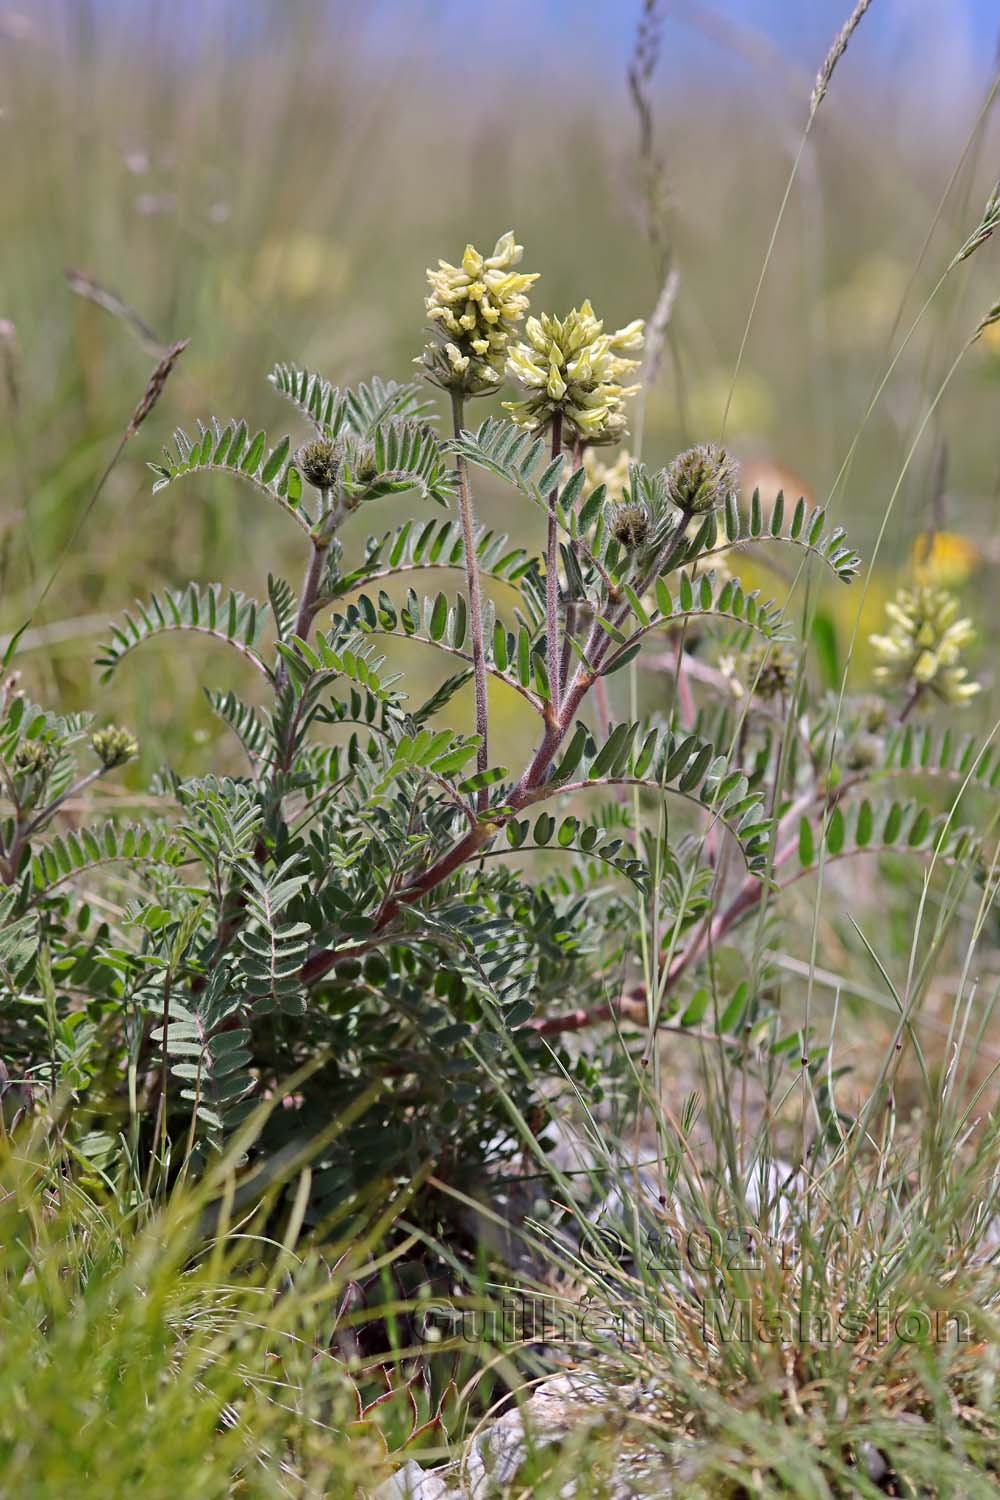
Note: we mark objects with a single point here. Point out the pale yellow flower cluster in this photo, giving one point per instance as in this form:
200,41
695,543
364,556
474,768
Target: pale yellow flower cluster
474,309
572,368
613,476
923,644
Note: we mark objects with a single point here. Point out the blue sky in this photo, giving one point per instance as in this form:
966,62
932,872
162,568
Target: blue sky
928,60
957,36
931,52
802,27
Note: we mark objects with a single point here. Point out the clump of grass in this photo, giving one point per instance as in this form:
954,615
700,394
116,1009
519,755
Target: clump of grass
764,1330
174,1349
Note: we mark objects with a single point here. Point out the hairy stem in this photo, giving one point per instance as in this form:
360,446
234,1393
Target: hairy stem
625,1008
571,608
25,829
309,595
321,962
309,598
553,665
632,1006
911,703
602,708
558,721
475,599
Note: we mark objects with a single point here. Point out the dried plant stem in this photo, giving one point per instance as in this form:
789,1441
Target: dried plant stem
659,334
475,599
911,703
658,327
640,73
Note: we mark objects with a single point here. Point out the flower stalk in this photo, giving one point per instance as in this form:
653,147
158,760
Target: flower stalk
474,589
553,662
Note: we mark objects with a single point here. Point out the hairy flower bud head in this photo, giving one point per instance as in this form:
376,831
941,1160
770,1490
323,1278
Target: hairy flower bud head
770,670
473,309
32,757
922,647
701,479
363,467
32,763
629,525
320,462
873,714
863,752
113,746
572,367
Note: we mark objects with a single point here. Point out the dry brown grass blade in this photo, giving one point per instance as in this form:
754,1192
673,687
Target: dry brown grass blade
154,386
92,291
148,399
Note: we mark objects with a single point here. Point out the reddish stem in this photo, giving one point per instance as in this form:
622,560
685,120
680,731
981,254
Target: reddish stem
475,601
552,580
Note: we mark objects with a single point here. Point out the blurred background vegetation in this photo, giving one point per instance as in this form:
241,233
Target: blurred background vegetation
270,179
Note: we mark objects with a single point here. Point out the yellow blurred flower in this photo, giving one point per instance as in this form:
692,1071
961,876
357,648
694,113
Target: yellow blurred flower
295,268
861,309
766,670
991,337
298,266
944,558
